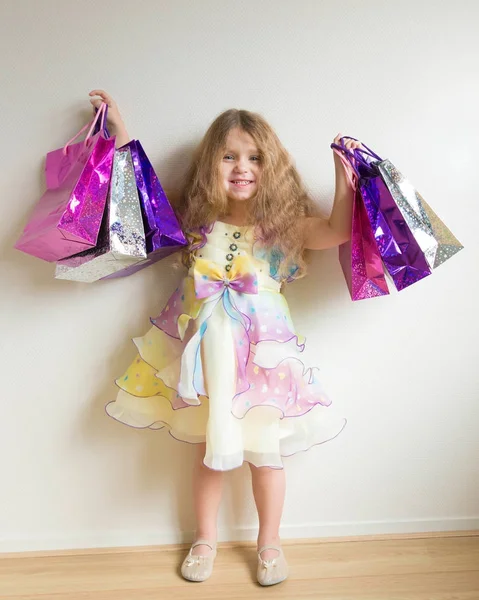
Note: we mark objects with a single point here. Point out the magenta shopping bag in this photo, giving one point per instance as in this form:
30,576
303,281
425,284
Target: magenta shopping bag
67,218
360,258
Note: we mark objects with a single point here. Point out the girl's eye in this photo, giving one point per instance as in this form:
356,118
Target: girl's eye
231,157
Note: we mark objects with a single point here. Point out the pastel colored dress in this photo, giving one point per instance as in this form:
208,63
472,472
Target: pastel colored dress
222,364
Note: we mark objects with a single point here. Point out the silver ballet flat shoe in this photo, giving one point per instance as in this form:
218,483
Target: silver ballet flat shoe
273,571
198,567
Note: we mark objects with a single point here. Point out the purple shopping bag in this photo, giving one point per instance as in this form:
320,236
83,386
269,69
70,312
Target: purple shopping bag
162,229
400,252
67,218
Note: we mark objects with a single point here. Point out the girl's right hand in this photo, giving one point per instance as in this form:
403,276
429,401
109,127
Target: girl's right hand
113,118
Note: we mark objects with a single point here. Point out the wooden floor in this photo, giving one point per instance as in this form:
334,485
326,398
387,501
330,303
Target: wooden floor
438,568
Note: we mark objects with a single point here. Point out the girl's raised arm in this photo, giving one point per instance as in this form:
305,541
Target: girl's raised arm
320,234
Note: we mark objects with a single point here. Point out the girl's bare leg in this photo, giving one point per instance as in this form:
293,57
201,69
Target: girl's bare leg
207,492
269,487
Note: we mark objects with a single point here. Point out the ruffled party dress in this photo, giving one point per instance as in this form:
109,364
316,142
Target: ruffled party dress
221,363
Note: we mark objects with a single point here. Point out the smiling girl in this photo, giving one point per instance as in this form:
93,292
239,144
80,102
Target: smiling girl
220,367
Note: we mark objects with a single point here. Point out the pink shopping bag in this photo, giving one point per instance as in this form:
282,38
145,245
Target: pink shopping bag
67,218
359,257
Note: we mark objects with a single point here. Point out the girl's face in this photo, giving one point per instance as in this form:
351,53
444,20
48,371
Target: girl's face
241,166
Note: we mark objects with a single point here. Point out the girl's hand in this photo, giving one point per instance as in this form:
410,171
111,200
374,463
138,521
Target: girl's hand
350,144
113,116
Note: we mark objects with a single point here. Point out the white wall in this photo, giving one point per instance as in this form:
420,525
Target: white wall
402,76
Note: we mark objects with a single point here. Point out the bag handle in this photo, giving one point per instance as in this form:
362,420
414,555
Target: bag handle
356,156
357,152
347,157
364,149
102,111
351,172
98,126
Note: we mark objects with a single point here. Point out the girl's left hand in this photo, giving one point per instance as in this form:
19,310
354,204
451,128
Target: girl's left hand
113,116
350,144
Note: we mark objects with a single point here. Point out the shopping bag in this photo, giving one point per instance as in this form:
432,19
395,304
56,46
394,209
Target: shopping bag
359,256
400,252
360,259
67,218
122,241
162,229
435,239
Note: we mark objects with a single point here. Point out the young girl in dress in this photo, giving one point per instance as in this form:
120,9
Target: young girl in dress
220,366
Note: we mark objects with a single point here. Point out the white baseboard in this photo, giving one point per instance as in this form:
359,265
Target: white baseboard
124,538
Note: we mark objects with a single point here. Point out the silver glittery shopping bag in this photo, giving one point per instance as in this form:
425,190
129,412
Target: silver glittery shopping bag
121,241
433,237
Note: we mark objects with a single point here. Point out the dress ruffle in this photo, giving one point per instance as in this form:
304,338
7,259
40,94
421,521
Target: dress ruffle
225,368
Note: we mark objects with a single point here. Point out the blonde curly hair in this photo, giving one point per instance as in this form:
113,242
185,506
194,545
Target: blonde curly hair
276,209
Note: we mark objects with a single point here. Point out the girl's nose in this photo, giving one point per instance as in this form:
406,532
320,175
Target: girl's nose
240,167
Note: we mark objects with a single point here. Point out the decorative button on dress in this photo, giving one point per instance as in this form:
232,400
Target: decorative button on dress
221,363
